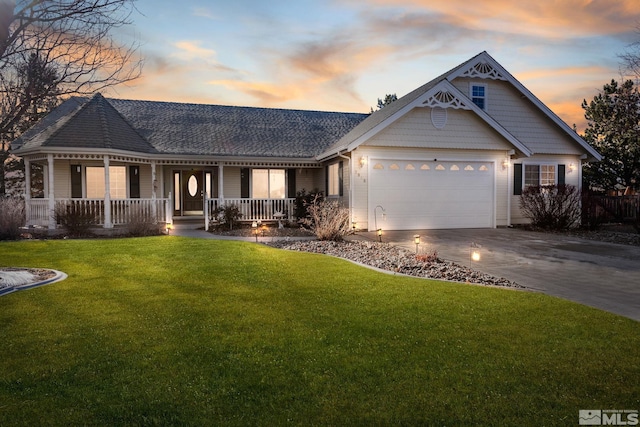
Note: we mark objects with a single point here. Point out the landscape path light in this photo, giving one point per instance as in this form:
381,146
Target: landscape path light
254,227
416,240
375,216
474,252
380,234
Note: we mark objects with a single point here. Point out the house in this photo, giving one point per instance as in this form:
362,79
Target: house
454,153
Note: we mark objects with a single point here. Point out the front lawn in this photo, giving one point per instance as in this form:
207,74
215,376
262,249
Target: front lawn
178,331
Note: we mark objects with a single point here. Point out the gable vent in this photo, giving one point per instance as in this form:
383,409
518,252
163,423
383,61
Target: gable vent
439,117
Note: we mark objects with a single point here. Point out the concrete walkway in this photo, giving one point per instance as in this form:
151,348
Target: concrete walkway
597,274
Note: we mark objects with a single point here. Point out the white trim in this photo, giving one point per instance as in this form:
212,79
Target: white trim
107,195
532,162
221,182
52,201
482,69
509,186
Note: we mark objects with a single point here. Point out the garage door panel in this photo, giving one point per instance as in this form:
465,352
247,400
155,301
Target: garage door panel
425,197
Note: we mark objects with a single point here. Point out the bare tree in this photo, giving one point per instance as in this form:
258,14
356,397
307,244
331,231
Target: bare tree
72,43
631,58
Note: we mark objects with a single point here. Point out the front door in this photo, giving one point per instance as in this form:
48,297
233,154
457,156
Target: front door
191,192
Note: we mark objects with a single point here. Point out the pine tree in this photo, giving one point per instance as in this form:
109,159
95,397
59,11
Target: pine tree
614,130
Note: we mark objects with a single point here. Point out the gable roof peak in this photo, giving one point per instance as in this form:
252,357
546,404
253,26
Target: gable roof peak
481,66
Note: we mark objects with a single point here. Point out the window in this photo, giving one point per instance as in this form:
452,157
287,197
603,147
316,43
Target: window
479,95
534,175
539,175
268,184
531,175
334,179
117,182
37,181
547,175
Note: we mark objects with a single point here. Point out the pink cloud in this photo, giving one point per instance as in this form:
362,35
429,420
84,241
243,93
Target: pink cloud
550,18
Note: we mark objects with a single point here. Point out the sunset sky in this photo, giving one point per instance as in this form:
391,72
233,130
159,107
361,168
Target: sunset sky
341,55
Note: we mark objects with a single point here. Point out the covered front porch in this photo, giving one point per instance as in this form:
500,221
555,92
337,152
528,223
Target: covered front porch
118,190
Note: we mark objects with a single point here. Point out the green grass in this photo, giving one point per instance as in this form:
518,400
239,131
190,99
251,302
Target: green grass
177,331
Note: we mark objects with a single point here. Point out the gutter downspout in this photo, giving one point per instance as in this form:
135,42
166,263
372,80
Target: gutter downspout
350,184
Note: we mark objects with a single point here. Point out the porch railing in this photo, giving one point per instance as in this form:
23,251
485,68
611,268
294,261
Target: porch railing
38,213
255,209
123,211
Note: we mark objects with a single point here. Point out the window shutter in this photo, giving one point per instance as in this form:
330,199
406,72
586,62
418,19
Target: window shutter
326,180
291,183
517,179
76,181
244,183
134,182
340,179
561,174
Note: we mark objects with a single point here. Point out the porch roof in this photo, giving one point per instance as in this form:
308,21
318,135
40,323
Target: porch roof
151,127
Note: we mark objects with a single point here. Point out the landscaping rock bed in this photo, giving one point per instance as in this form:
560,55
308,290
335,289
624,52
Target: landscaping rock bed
272,231
395,259
12,278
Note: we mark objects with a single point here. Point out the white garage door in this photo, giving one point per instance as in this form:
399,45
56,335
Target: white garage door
430,194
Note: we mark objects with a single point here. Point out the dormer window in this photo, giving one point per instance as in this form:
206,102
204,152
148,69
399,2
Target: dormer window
479,95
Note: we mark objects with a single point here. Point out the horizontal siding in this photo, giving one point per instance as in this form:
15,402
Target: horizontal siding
360,196
306,179
146,183
232,185
522,118
62,179
571,177
463,130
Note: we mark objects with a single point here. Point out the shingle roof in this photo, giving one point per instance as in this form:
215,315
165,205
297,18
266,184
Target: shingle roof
86,123
200,129
151,127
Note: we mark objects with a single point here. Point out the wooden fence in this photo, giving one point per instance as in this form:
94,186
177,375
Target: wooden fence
620,208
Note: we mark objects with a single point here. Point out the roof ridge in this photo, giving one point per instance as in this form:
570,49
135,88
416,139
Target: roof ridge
195,104
106,104
57,126
104,123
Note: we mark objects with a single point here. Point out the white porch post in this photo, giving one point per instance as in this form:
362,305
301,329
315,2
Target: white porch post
154,180
107,195
206,213
154,187
27,190
52,201
221,181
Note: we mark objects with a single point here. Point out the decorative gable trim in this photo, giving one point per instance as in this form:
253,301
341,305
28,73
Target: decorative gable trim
444,95
484,66
482,70
445,99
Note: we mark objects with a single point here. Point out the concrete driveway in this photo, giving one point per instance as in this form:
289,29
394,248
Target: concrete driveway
598,274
